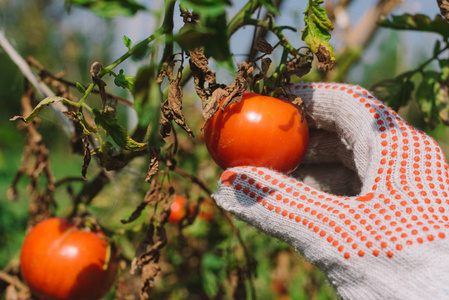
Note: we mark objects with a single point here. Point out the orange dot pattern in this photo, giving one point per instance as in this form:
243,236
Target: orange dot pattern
407,205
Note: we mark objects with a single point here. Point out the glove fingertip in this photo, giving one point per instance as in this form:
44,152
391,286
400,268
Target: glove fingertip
228,177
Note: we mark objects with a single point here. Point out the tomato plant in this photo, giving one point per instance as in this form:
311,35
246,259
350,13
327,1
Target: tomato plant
258,131
178,210
60,261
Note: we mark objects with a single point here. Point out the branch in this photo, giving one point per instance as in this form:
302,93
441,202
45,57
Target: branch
46,73
42,89
14,281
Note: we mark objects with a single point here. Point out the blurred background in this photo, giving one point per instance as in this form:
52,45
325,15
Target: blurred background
201,261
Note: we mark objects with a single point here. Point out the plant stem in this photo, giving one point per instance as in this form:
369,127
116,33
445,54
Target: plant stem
435,56
245,13
131,51
277,30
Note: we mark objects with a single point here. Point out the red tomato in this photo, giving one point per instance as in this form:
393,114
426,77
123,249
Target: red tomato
178,210
206,211
258,131
60,261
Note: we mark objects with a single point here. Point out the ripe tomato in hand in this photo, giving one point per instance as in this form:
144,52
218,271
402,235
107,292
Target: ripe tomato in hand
258,131
60,261
178,210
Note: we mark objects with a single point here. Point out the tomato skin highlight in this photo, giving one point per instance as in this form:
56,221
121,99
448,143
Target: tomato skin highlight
60,261
258,131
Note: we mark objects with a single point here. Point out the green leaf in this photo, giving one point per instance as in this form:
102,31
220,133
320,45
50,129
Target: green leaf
418,22
436,48
444,66
45,102
270,6
212,15
212,8
191,36
426,94
118,133
127,42
396,92
109,8
213,273
125,81
80,88
316,33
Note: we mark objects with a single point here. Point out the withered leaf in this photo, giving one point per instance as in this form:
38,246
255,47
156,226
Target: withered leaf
149,273
172,107
298,65
153,166
94,70
86,157
201,73
212,106
263,46
265,63
296,100
175,105
325,60
232,92
265,66
444,8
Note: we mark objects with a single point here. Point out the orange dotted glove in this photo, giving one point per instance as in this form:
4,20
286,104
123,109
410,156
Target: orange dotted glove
385,235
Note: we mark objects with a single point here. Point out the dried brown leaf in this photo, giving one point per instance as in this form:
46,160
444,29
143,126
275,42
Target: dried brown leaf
86,157
265,65
298,65
325,61
202,74
175,105
212,106
233,92
444,8
263,46
149,251
95,68
153,166
296,100
149,273
172,107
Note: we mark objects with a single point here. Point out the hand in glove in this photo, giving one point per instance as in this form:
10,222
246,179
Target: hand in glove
371,207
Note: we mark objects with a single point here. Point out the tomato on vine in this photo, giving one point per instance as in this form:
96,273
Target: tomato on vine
178,210
60,261
258,131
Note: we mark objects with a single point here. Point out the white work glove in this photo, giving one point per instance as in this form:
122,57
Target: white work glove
387,235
